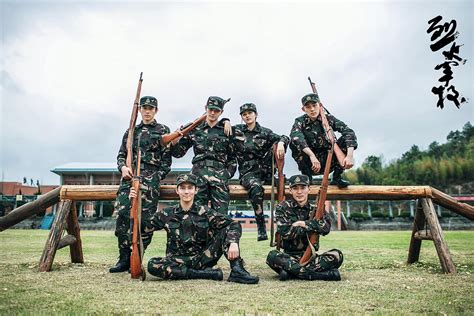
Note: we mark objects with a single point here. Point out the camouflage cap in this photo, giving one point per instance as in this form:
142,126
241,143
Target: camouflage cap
299,179
189,178
312,97
248,107
149,101
216,103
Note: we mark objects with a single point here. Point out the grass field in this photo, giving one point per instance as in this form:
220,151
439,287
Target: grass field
375,279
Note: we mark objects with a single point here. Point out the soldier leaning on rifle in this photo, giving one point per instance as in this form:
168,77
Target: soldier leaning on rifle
309,145
155,165
253,148
214,161
197,237
294,225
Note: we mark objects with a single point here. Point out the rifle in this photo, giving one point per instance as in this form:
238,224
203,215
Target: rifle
136,268
184,130
321,199
133,122
280,163
328,129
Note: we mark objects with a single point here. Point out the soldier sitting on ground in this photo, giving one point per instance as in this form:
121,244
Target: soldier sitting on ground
197,237
294,226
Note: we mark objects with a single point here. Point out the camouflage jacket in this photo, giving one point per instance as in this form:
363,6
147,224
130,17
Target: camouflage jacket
209,144
252,146
295,239
154,156
308,133
189,232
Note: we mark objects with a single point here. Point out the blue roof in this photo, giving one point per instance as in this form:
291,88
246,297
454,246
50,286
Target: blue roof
102,167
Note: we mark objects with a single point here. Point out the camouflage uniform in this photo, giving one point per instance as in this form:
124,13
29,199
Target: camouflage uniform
294,241
155,165
253,149
196,240
214,160
308,133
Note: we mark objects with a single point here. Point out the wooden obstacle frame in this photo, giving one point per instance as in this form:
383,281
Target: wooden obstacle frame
425,226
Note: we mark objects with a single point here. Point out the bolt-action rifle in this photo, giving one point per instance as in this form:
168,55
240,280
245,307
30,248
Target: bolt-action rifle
136,268
321,199
184,130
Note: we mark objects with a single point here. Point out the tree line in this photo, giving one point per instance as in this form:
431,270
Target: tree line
441,165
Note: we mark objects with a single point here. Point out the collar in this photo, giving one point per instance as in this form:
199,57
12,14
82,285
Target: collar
295,204
153,123
308,120
179,210
257,128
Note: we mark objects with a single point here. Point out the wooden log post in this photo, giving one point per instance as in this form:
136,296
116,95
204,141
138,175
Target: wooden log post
438,237
55,235
29,209
73,229
415,243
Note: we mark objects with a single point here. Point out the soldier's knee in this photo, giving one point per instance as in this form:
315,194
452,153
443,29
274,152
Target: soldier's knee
156,268
272,255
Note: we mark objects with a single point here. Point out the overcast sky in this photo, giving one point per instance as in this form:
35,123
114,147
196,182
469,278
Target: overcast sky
69,72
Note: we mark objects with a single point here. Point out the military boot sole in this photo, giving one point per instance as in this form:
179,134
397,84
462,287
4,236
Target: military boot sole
262,237
118,269
340,183
243,280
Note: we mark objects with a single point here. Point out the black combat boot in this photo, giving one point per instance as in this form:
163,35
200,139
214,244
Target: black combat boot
330,275
285,276
123,264
337,179
262,230
238,273
207,274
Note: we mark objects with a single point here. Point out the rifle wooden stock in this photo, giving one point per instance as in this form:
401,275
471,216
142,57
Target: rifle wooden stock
133,121
314,237
167,138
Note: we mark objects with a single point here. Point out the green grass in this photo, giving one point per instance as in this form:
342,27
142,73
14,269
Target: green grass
375,279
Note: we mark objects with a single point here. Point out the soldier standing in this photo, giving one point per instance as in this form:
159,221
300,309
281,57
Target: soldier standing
309,145
253,149
214,161
197,237
294,225
155,165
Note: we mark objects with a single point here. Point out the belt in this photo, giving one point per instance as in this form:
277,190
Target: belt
210,163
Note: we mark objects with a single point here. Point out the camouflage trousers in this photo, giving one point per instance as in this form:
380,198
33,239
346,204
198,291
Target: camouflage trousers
150,185
304,163
175,267
212,187
252,182
278,261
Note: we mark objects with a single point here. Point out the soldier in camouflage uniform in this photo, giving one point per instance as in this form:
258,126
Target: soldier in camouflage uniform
155,165
214,161
309,145
294,225
253,148
197,237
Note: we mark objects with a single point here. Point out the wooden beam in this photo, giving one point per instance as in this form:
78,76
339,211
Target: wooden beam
55,234
452,204
237,192
29,209
73,229
415,243
438,237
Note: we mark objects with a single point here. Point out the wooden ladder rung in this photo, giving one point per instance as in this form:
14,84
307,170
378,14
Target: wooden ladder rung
423,235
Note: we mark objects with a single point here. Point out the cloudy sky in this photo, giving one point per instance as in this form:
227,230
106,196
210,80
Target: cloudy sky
69,71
